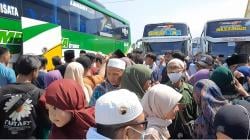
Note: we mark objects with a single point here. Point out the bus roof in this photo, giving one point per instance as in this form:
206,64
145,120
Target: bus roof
226,19
167,23
214,32
102,9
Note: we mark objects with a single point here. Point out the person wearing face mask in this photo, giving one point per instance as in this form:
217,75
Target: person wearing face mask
118,115
180,128
160,105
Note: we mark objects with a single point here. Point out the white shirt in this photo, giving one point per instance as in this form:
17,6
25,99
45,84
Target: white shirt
92,134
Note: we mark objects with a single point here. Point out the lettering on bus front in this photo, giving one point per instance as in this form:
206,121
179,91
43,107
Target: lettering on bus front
231,28
10,37
165,29
167,32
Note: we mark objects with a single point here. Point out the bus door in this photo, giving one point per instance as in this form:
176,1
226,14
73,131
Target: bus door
41,38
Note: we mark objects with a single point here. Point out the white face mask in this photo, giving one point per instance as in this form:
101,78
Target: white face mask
175,77
141,133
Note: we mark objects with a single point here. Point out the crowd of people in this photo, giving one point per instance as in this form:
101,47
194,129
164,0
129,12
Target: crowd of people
118,96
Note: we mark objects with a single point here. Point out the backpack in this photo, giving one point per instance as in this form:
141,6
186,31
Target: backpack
18,113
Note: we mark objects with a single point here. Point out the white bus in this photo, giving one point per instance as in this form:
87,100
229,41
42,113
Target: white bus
161,37
226,36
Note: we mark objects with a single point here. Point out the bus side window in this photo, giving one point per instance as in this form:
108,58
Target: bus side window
40,10
62,17
53,11
120,30
74,21
83,20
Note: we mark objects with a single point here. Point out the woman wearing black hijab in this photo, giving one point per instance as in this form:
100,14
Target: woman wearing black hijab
233,121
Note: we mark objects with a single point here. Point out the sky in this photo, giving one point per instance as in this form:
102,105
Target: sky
193,12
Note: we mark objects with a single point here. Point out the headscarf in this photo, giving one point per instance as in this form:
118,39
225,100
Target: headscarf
67,95
75,72
176,63
224,79
159,100
52,76
209,99
135,77
201,74
128,61
233,121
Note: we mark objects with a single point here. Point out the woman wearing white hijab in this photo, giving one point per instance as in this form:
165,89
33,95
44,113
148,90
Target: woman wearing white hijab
160,105
75,71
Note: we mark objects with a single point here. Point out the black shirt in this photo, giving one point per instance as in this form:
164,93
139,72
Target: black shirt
27,121
164,76
62,69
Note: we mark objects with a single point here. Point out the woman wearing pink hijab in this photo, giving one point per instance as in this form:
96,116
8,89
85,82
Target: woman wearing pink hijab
160,105
75,71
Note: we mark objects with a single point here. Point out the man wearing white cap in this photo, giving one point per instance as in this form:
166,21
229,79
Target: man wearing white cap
114,71
118,115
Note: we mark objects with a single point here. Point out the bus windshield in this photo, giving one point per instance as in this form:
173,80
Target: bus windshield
221,48
228,48
161,47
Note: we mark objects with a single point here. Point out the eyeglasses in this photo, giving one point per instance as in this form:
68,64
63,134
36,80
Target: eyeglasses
144,123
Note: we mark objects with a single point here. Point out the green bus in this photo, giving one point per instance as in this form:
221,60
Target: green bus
85,24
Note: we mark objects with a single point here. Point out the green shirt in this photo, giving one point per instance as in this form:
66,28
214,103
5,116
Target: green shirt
177,129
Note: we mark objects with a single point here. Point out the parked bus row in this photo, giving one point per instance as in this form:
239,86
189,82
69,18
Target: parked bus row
219,37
